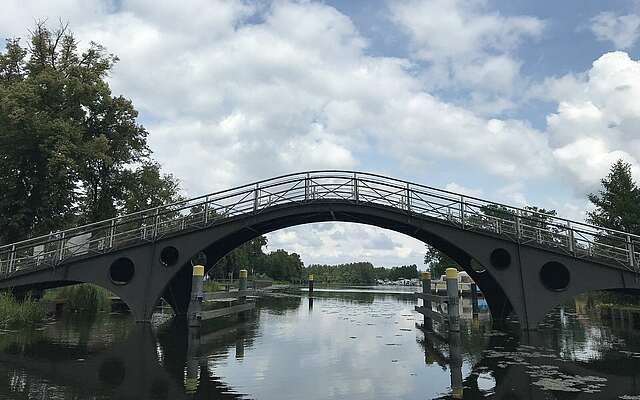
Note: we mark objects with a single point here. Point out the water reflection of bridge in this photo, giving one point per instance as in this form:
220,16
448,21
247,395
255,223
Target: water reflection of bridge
169,362
524,369
144,366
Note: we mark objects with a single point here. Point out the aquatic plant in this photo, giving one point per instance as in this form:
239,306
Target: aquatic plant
85,298
18,313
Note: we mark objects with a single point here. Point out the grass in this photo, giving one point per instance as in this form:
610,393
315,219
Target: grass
84,298
14,313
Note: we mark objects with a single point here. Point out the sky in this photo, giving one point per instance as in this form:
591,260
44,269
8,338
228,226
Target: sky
521,102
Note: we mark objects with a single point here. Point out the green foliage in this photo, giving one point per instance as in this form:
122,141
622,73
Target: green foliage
70,151
438,262
397,273
358,273
147,187
84,298
14,313
279,265
617,204
249,256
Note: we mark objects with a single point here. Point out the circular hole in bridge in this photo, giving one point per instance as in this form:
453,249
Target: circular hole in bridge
112,372
121,271
169,256
500,258
555,276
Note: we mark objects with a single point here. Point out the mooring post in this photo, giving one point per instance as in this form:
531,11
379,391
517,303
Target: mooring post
474,299
242,286
192,368
195,304
453,297
426,299
455,362
310,284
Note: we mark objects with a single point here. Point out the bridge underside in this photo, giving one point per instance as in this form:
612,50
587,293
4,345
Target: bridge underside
525,280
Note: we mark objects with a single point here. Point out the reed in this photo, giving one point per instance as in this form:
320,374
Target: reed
15,313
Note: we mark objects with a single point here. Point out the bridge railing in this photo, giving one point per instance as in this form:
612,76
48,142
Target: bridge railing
466,212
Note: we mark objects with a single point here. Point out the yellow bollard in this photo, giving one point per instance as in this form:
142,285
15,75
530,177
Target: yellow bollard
453,305
310,283
195,304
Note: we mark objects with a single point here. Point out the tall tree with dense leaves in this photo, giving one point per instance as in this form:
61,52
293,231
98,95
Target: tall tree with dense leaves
147,187
617,204
67,146
39,135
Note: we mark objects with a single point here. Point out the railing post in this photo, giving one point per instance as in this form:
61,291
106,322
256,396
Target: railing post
630,249
12,258
453,297
256,198
206,210
462,216
112,232
355,188
539,234
408,197
61,247
310,284
156,224
306,187
518,228
571,235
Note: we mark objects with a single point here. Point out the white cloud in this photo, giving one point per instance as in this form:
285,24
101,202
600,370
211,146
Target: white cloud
295,90
456,188
621,30
335,242
597,120
468,46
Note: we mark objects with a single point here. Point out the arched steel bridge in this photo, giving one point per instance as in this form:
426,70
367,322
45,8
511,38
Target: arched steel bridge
522,260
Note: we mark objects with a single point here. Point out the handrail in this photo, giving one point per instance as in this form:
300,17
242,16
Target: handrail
468,212
357,173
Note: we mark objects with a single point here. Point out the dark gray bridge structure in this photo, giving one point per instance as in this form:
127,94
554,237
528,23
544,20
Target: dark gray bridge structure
524,262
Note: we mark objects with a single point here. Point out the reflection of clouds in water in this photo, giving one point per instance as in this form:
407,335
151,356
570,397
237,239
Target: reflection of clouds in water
315,355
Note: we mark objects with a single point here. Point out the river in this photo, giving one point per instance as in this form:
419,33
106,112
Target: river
342,344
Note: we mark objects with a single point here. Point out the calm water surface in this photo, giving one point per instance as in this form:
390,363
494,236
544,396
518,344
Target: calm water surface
346,344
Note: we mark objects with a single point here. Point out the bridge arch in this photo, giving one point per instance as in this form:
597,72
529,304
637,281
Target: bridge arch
220,241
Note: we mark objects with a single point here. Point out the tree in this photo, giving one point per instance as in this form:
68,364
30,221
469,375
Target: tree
617,204
39,135
248,255
438,262
146,187
68,148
